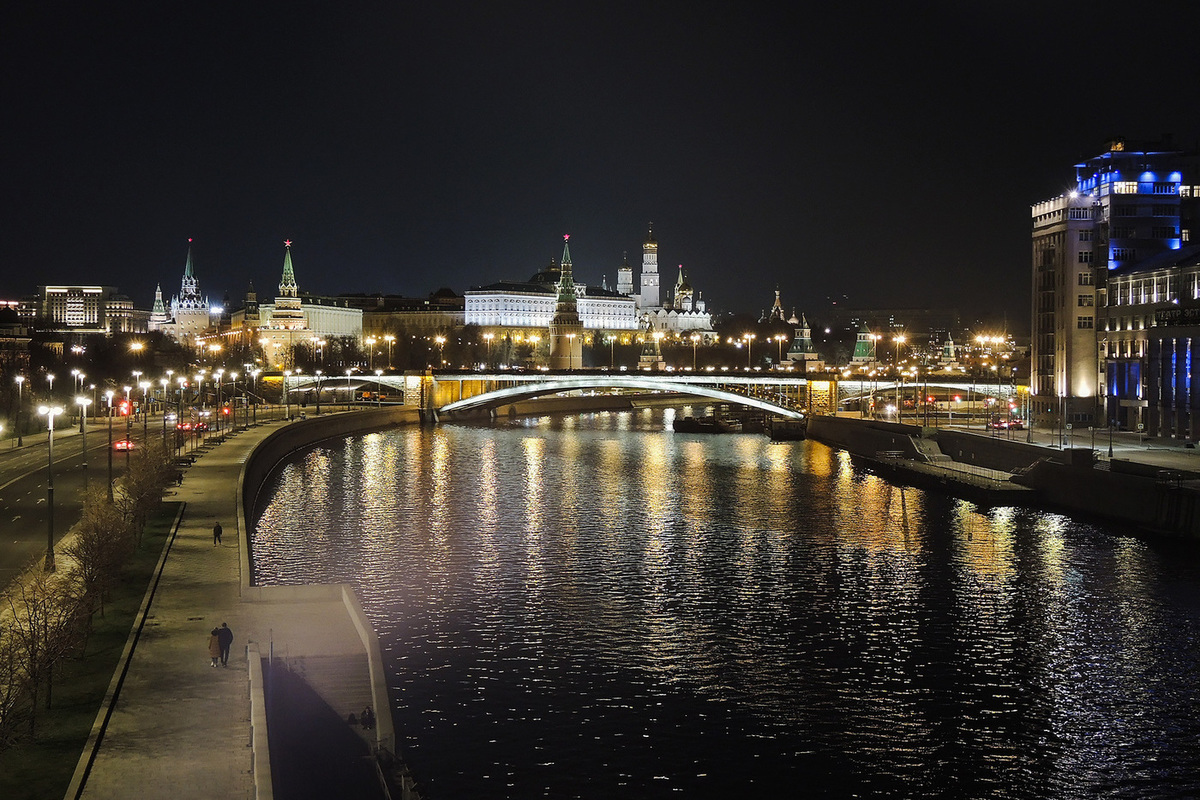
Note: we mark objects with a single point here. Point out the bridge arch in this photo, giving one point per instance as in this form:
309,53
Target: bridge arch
530,390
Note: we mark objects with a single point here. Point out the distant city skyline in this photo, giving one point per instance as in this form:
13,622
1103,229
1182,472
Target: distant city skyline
887,159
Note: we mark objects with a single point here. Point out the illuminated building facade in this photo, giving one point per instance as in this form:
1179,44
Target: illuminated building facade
1099,278
190,313
82,310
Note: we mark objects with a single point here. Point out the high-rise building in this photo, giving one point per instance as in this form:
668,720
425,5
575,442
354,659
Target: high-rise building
1129,206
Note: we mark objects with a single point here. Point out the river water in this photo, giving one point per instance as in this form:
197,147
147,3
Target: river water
593,606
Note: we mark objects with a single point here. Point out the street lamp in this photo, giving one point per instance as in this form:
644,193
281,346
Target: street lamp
50,380
83,403
109,394
348,390
50,412
899,340
571,351
487,337
441,340
780,339
389,339
371,340
287,373
20,379
145,385
695,337
749,339
318,380
378,389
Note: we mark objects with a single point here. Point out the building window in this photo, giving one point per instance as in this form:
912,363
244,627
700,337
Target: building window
1123,254
1085,322
1165,211
1164,188
1123,232
1124,187
1085,278
1087,300
1164,232
1085,256
1085,236
1125,211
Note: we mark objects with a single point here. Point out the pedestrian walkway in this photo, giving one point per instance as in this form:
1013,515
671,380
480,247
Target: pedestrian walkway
181,728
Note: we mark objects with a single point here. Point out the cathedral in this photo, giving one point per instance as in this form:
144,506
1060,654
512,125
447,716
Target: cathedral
190,314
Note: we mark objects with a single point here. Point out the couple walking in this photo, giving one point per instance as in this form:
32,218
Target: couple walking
218,645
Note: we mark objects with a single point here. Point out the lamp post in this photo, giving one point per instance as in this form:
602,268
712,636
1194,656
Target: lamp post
217,376
83,403
371,340
899,340
164,382
109,394
390,339
695,337
287,412
749,339
571,351
487,337
318,381
145,411
780,339
612,352
348,390
50,380
50,412
440,340
254,391
20,379
378,389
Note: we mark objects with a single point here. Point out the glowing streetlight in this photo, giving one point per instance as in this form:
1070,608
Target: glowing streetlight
695,338
378,389
899,340
20,379
50,412
390,339
748,338
487,337
441,340
287,373
109,395
371,340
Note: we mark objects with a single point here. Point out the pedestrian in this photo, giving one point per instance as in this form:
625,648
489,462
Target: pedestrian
224,638
216,534
367,718
214,647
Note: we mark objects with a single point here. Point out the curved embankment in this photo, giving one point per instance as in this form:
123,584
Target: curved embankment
304,601
1127,492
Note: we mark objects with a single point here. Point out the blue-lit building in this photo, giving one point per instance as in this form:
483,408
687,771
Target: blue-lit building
1108,257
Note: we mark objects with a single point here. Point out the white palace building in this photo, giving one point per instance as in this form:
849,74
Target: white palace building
516,305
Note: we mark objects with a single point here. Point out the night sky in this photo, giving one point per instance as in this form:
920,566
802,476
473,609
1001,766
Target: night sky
873,157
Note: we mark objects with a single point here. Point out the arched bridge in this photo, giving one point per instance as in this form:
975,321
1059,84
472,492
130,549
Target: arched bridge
478,392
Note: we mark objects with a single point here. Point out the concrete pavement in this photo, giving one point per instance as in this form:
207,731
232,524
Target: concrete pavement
183,729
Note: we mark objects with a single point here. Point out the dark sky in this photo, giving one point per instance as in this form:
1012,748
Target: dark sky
884,153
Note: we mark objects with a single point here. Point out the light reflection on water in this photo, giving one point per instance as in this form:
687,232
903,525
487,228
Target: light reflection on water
585,606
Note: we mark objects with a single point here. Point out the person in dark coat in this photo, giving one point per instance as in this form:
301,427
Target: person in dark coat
216,534
367,718
214,647
224,639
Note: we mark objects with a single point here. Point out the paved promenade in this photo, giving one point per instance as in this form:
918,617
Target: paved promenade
181,728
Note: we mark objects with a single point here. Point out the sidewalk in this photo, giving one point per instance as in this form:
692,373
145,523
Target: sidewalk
182,729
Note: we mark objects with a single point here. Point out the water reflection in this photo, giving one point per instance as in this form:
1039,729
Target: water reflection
599,606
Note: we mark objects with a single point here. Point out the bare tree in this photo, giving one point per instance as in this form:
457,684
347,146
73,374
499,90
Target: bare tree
149,473
12,695
47,627
101,544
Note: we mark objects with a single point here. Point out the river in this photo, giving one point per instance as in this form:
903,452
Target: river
593,606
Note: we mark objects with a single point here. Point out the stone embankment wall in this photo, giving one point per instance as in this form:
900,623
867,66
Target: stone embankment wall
994,452
865,437
303,433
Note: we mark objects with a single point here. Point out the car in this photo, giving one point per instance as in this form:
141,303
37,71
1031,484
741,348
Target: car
124,444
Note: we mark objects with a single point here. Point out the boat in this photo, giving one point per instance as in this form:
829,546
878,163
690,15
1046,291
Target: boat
706,425
787,430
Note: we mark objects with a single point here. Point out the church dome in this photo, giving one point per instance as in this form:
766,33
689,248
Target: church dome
549,275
